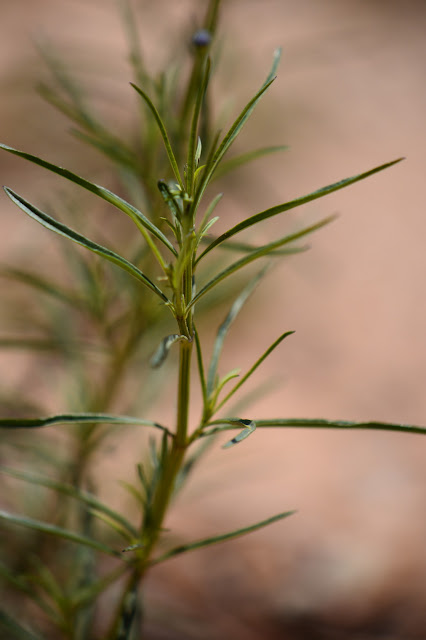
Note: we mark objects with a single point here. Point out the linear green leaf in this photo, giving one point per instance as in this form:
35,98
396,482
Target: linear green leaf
237,161
222,538
76,418
339,424
66,489
192,143
163,132
229,138
45,527
260,252
134,214
61,229
226,325
258,362
315,423
41,284
273,211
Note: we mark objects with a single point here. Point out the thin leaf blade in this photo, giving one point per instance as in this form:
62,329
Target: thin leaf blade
137,216
273,211
58,227
207,542
51,529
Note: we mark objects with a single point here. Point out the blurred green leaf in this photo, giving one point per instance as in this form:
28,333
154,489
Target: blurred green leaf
258,362
66,489
14,630
61,229
227,166
224,328
260,252
59,532
221,538
273,211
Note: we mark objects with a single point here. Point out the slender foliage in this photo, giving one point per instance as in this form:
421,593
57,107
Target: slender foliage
166,175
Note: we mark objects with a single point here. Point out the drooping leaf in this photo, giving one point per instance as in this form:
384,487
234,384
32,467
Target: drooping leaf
221,538
59,532
141,221
273,211
163,349
250,427
61,229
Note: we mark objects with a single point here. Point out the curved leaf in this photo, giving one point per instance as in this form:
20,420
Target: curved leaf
134,214
61,229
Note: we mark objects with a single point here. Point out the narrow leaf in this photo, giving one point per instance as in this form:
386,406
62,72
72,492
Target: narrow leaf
61,487
222,538
61,229
194,143
77,418
163,132
226,325
51,529
237,161
258,362
228,140
273,211
134,214
260,252
339,424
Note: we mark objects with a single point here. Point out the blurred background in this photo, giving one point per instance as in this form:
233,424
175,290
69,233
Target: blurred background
350,95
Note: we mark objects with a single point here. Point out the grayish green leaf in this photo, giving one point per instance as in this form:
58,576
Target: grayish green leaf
61,229
273,211
141,221
51,529
77,418
207,542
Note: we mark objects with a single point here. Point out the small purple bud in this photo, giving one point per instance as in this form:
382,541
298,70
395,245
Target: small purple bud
201,38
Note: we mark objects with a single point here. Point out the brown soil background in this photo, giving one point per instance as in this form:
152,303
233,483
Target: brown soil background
350,95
